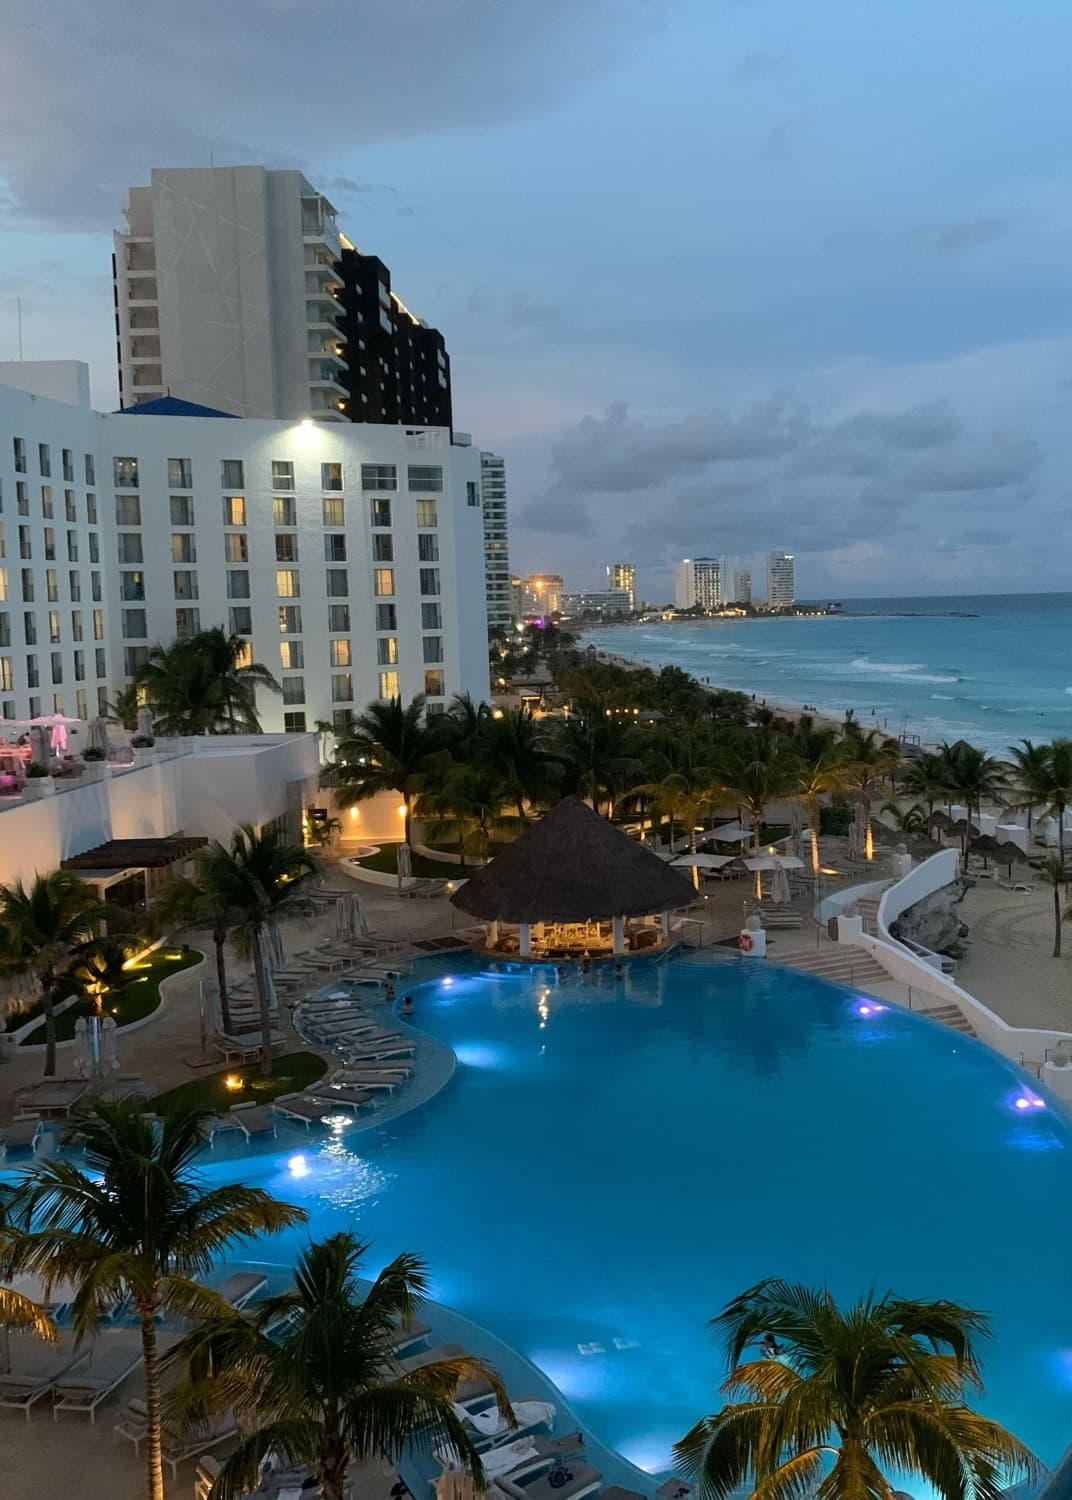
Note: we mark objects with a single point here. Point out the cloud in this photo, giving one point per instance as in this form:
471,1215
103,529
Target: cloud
967,234
998,462
129,87
776,147
756,65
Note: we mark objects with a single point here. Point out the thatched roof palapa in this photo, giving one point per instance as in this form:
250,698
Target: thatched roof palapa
573,866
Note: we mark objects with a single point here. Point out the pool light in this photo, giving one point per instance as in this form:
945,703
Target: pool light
1027,1100
299,1167
868,1008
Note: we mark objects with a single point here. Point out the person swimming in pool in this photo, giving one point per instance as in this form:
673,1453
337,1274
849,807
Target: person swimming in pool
406,1008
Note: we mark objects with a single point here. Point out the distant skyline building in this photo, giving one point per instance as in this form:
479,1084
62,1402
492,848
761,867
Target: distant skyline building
496,541
539,593
699,581
622,575
741,591
235,289
780,582
606,603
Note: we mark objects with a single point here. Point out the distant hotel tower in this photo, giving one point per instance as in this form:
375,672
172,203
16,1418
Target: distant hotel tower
780,589
622,575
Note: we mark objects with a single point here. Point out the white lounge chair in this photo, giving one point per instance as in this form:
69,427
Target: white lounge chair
583,1480
304,1107
84,1389
241,1287
23,1134
253,1120
345,1098
490,1425
35,1369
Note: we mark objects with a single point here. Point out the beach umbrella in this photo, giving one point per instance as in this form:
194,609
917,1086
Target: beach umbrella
97,735
344,919
854,838
360,921
403,862
1007,853
273,945
779,887
796,818
703,861
40,746
109,1045
145,721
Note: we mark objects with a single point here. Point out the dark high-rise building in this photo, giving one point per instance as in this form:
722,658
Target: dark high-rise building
397,368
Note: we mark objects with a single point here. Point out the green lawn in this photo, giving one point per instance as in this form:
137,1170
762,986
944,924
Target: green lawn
137,998
423,868
291,1073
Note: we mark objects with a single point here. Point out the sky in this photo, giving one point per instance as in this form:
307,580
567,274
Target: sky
716,276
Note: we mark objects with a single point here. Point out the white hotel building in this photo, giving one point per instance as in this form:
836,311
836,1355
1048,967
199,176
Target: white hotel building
351,557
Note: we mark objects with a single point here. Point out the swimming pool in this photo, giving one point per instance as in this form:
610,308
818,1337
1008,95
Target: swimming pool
614,1159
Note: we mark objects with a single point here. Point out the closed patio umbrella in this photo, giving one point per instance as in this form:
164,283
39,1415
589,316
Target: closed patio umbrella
40,745
344,919
96,736
360,921
145,721
779,887
273,946
403,862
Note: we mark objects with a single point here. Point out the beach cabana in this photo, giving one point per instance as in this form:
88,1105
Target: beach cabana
573,884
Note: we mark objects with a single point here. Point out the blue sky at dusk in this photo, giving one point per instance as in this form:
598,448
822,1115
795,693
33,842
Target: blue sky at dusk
715,277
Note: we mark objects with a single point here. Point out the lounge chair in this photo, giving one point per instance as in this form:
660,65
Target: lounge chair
53,1098
522,1456
304,1107
35,1369
346,1098
388,1082
583,1480
490,1425
253,1120
244,1047
241,1287
382,1053
85,1388
23,1134
177,1445
469,1390
409,1334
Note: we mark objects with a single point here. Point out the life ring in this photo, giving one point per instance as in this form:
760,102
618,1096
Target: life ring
746,942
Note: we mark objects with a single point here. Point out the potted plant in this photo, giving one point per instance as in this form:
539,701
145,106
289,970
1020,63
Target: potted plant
38,781
94,752
142,741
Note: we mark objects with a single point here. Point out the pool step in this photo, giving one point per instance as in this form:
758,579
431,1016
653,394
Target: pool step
948,1014
849,965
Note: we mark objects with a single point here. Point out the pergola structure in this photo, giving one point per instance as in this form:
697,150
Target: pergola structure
107,865
573,885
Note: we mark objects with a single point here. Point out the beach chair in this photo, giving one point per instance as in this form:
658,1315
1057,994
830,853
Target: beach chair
253,1120
583,1480
409,1334
35,1369
23,1134
83,1389
304,1107
386,1082
241,1287
469,1390
489,1426
347,1098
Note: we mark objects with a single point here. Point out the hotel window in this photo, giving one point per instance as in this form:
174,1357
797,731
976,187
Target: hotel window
339,617
187,622
80,704
293,689
35,707
57,703
425,479
98,628
287,583
79,666
426,513
29,629
387,651
244,654
5,629
294,723
56,666
127,510
183,547
383,549
7,681
433,648
238,583
428,547
240,619
383,581
340,653
342,722
102,700
232,474
342,687
22,497
290,619
472,492
68,506
48,537
74,585
130,550
19,445
94,547
100,657
291,656
335,547
234,510
381,512
388,684
76,624
33,676
286,547
182,510
179,474
334,510
90,469
68,466
433,683
282,474
184,584
44,460
379,477
125,473
72,546
284,510
27,586
431,617
134,624
3,584
429,579
236,547
52,585
25,543
134,658
3,543
54,627
338,583
331,476
46,501
91,509
386,617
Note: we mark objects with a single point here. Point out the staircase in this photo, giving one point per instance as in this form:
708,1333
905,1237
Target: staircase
846,965
867,907
946,1012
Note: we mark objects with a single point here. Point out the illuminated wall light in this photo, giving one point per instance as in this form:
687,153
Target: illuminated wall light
232,1082
353,812
401,809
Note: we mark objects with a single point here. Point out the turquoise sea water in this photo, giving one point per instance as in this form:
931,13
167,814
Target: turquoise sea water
991,669
614,1160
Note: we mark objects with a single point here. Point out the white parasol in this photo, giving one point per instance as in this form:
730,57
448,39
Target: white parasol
403,862
96,736
145,722
274,953
779,886
40,746
774,862
704,861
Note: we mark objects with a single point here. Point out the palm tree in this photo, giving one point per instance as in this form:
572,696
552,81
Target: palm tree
463,724
757,770
928,778
1052,873
1044,779
139,1222
391,748
869,758
261,880
820,774
883,1384
908,820
203,684
515,748
123,708
41,929
325,1390
684,786
199,901
976,777
598,756
467,806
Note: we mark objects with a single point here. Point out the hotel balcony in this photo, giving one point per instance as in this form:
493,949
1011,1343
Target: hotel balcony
321,276
325,376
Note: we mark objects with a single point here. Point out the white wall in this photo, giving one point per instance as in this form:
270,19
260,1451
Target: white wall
245,782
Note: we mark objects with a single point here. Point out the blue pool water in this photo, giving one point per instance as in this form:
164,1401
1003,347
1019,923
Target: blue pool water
613,1160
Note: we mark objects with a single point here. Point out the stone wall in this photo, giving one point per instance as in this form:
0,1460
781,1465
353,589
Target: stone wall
936,921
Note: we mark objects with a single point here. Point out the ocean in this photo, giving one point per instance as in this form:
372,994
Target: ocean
991,669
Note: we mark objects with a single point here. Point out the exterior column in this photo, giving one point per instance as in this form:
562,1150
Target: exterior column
664,923
493,934
617,933
524,940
